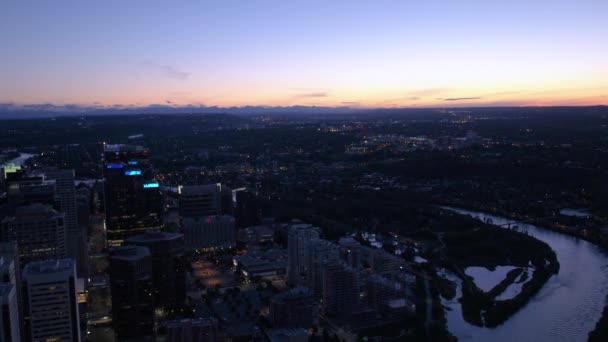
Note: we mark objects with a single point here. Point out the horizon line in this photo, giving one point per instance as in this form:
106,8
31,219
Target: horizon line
10,111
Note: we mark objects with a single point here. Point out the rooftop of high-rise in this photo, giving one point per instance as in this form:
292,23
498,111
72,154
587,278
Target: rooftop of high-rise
154,235
49,266
36,210
130,253
199,189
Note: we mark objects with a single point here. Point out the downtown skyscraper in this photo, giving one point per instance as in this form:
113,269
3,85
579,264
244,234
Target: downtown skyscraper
132,196
65,201
51,305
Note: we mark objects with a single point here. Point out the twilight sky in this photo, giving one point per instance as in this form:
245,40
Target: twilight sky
326,53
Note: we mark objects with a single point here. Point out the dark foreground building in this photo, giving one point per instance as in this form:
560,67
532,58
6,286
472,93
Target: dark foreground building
168,268
131,285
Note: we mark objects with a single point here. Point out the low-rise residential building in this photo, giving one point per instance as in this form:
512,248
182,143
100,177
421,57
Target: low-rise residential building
261,264
297,307
188,330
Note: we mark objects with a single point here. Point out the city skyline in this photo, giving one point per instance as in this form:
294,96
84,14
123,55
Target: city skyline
321,171
339,54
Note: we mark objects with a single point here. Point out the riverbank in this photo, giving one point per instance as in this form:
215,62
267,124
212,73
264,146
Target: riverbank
565,308
20,160
600,333
433,326
483,309
488,246
594,236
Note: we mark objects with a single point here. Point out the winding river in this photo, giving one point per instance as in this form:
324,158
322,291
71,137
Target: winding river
19,161
566,308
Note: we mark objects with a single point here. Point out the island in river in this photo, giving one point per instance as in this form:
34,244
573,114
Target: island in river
565,308
478,246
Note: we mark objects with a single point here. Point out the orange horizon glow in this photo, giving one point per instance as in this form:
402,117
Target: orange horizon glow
431,97
357,54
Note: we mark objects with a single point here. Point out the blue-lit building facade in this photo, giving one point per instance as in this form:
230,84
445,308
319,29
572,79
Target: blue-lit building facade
132,196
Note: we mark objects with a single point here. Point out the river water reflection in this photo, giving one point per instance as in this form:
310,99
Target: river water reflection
19,161
566,308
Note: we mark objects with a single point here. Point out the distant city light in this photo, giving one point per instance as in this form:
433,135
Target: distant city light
132,162
133,173
114,166
151,185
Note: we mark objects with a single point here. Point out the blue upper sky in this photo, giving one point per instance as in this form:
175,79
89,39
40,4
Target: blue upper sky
356,53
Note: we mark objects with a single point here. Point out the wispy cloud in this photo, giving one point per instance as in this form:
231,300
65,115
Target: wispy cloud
314,94
460,98
168,71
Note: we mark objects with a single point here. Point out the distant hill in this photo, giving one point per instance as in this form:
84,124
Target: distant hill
13,111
